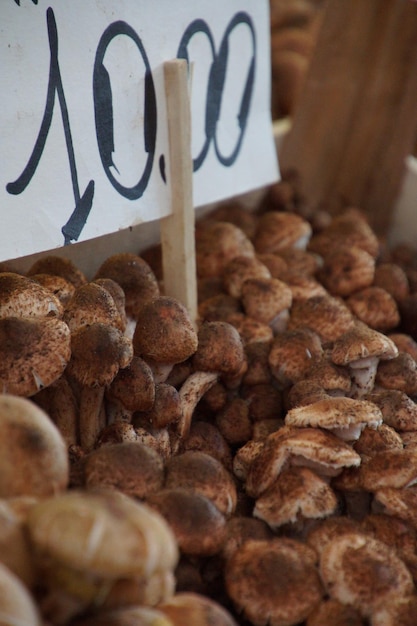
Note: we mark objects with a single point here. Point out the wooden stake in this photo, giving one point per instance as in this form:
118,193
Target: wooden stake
177,230
356,119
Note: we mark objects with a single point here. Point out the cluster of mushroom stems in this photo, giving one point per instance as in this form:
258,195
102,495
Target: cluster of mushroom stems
255,466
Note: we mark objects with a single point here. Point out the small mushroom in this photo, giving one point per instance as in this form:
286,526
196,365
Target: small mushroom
345,417
58,266
23,297
135,277
297,496
292,353
274,581
33,454
399,373
98,351
375,307
278,230
240,269
132,389
267,300
364,572
34,353
62,288
398,410
346,269
327,315
216,244
198,525
164,335
203,474
90,304
331,612
400,611
196,609
74,537
361,349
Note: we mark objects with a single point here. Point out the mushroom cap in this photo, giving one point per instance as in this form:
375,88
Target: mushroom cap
220,349
399,373
277,230
236,213
400,611
202,473
346,269
216,244
218,307
17,606
206,437
241,528
80,530
166,409
375,440
404,343
133,386
326,315
33,454
364,572
389,468
62,288
135,277
311,447
98,351
130,467
375,307
298,494
240,269
198,525
398,410
361,342
118,295
401,503
392,278
325,530
92,303
394,532
23,297
34,353
292,353
264,299
273,582
58,266
164,331
338,414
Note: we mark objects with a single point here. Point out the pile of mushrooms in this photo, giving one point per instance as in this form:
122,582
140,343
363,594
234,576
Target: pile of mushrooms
256,467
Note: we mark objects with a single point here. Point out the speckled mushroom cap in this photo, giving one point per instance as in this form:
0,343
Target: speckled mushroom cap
196,609
198,525
389,468
104,534
240,269
133,386
92,303
34,353
393,278
322,532
135,277
33,454
58,266
298,494
264,299
375,307
401,503
62,288
327,315
23,297
220,349
399,373
398,410
345,416
330,612
404,343
17,606
346,269
375,440
315,448
273,582
216,244
202,473
164,332
278,230
292,353
362,571
98,351
362,342
130,467
241,528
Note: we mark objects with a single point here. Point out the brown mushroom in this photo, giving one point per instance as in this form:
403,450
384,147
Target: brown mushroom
33,454
361,349
98,351
92,303
345,417
240,269
59,286
331,612
399,373
398,410
346,269
267,300
34,353
23,297
274,581
364,572
196,609
292,353
278,230
164,335
58,266
216,244
132,389
375,307
328,316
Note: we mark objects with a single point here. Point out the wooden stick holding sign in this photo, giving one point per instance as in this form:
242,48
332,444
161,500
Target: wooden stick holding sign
177,230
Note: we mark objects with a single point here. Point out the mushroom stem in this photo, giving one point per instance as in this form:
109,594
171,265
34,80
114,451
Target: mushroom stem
191,392
91,402
363,374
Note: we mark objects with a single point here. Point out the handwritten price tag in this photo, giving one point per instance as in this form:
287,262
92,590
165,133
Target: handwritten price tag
83,123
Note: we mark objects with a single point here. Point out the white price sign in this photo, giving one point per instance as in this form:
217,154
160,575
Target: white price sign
83,124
